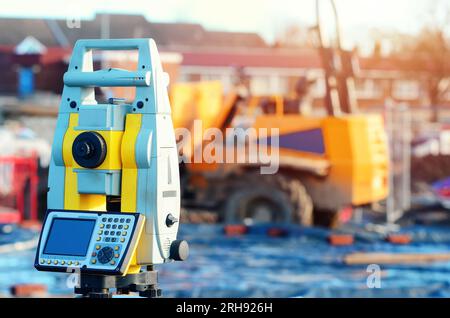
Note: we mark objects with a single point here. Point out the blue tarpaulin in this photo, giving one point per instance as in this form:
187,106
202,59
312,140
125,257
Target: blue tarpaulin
301,264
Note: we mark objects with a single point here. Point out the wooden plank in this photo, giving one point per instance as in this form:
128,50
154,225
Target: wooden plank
390,258
30,110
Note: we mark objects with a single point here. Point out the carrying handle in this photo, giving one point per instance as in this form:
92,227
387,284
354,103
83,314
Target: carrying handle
82,52
81,73
112,45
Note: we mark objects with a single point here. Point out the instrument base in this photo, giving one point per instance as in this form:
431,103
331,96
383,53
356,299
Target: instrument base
99,286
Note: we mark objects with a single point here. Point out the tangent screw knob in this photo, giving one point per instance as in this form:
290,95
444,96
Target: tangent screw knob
171,220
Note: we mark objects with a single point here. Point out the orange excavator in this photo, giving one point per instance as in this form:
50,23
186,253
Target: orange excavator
326,165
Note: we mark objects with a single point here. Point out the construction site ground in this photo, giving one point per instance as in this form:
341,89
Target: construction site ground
300,262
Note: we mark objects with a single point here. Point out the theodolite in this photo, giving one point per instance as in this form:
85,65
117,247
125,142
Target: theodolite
113,188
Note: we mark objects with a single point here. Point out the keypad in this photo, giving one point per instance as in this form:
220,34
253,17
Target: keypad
111,232
112,228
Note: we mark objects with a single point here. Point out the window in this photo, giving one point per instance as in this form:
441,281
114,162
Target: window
318,88
225,79
406,89
260,85
368,89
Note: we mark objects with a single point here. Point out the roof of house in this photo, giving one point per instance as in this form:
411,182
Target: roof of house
14,30
235,39
199,47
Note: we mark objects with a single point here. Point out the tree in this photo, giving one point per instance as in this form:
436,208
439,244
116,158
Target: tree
294,36
429,53
432,54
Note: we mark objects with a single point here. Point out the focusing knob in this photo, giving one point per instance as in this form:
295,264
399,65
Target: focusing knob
89,149
179,250
105,255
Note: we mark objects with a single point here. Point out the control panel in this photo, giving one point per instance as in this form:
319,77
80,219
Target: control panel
93,242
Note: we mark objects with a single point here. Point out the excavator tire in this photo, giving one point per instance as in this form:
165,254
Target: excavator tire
267,198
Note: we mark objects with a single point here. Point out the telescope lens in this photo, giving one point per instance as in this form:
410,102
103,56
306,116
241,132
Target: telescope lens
83,149
89,149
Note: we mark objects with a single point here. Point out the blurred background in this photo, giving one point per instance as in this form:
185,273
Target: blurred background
359,92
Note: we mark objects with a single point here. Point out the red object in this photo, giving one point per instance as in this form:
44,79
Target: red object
9,216
28,290
402,239
340,239
277,232
445,192
345,215
19,186
235,229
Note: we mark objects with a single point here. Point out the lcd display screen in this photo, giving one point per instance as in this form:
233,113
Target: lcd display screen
69,237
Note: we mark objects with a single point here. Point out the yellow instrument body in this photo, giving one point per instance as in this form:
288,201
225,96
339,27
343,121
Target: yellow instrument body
120,156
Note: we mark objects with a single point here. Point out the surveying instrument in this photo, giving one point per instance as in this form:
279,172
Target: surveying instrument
113,189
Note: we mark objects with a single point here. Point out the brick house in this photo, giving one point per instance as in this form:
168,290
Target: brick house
191,53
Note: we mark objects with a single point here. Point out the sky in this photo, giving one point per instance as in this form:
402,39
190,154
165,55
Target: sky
266,17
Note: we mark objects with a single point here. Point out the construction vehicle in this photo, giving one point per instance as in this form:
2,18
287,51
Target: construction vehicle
326,164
